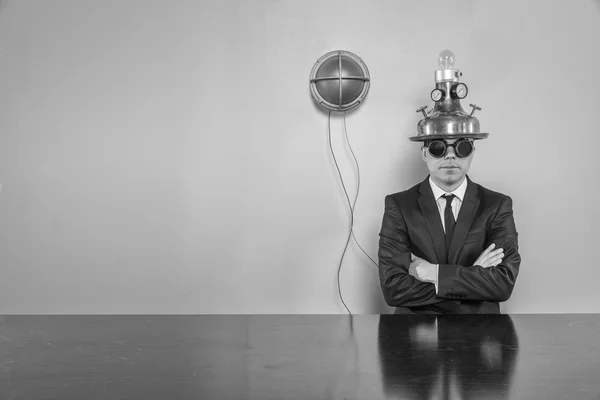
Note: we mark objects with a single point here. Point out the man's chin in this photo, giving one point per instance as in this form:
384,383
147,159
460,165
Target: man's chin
451,177
452,173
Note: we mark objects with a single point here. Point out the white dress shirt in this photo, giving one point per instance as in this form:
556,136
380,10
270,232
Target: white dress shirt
438,192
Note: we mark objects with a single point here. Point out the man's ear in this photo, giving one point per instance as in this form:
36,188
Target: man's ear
424,153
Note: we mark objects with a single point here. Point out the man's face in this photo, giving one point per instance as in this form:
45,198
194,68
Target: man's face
448,169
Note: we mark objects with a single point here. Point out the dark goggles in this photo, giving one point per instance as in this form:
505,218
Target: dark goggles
439,147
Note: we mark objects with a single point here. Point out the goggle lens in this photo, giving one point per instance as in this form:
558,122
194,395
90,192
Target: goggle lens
463,148
438,148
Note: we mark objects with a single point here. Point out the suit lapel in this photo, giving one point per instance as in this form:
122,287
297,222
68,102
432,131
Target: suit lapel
432,217
464,221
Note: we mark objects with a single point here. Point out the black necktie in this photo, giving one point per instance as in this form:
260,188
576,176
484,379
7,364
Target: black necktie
449,219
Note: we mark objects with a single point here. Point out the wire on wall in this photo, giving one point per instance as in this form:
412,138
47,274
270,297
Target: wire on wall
351,206
357,191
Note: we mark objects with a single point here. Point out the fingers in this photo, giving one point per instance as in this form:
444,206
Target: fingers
490,257
411,269
496,260
493,254
488,250
493,259
483,256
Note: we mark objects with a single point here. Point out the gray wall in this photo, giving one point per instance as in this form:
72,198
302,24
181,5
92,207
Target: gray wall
166,157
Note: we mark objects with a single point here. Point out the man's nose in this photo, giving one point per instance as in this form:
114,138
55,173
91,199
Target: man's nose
450,152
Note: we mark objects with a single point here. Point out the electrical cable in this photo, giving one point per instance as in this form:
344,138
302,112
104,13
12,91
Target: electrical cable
351,206
357,190
351,215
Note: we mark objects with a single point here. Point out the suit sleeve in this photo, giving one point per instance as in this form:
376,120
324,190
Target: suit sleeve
487,284
399,288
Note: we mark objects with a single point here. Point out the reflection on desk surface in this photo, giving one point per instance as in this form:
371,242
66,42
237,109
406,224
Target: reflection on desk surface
300,357
447,357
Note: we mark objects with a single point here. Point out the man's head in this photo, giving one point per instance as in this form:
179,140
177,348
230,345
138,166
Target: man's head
447,169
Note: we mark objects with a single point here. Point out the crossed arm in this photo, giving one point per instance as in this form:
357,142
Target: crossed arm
409,281
399,287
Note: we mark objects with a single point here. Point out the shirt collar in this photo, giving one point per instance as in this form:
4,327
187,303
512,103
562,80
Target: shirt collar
439,192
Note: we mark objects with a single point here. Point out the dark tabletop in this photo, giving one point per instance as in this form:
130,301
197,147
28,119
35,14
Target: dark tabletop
300,357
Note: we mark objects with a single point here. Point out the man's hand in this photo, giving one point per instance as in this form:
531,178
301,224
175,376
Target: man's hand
490,258
422,270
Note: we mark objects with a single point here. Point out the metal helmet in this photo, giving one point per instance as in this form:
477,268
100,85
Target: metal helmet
448,120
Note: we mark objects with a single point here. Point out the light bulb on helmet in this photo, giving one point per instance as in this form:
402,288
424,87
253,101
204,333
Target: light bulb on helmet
447,72
446,59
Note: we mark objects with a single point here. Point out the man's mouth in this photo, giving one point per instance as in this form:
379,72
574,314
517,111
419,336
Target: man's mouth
450,166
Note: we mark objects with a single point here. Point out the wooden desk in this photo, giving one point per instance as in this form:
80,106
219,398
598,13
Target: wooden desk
300,357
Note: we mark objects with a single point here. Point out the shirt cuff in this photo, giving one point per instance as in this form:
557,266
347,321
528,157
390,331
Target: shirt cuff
437,271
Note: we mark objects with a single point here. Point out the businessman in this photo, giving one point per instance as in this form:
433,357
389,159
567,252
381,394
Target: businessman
448,245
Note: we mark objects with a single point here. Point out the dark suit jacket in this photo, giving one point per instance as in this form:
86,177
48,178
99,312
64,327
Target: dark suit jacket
412,223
